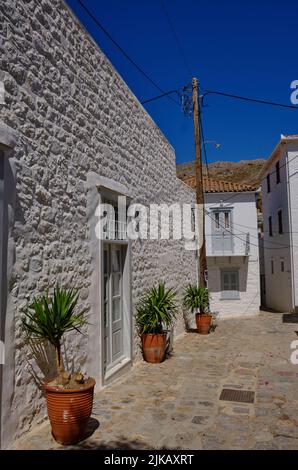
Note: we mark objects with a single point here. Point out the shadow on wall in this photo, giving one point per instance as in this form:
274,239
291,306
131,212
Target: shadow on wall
41,361
43,355
214,275
189,320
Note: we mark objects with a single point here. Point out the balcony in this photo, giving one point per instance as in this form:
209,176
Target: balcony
227,244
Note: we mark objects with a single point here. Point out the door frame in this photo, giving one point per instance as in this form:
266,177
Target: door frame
107,376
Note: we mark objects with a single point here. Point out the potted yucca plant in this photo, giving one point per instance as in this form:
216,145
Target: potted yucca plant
156,312
196,299
69,396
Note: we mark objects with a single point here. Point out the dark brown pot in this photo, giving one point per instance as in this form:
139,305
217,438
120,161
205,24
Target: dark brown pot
203,322
69,412
154,347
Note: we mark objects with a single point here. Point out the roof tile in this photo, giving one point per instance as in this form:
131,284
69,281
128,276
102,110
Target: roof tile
216,186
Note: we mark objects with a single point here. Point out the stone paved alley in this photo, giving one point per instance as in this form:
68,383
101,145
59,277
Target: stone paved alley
175,405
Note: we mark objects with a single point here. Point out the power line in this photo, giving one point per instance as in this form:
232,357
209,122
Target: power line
282,245
160,96
204,146
97,22
245,98
263,231
179,45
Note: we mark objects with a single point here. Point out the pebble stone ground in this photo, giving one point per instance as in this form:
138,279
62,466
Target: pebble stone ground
175,405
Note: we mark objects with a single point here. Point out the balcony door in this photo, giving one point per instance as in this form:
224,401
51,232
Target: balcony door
113,262
222,239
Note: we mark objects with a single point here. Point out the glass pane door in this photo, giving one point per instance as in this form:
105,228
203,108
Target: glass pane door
113,304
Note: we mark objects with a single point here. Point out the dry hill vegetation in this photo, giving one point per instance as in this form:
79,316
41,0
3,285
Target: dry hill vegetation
245,171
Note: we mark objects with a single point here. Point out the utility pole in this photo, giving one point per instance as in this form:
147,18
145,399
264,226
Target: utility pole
199,185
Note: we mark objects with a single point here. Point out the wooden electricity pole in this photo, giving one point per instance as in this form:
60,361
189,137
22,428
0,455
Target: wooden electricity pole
199,185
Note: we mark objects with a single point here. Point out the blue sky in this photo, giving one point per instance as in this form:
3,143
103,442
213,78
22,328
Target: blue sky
242,47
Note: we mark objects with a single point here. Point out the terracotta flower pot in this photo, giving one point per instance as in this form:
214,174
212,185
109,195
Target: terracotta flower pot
203,322
69,411
154,347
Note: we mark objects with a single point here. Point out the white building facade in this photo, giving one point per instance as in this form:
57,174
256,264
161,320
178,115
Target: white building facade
231,247
280,213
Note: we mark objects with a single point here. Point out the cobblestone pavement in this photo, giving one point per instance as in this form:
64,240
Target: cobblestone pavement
175,405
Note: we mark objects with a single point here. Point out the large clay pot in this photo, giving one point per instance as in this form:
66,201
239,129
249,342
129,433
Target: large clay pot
69,411
154,347
203,322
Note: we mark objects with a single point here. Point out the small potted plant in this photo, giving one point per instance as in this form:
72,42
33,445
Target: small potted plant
196,299
69,396
156,312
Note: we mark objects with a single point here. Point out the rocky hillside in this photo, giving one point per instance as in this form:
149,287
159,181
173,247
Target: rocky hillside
245,171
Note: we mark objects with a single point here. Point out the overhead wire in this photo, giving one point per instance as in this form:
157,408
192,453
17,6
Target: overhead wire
204,145
104,30
282,245
246,98
176,37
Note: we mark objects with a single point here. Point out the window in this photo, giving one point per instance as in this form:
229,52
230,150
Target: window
272,266
280,227
193,219
268,183
282,266
227,219
270,226
230,285
277,173
216,216
222,219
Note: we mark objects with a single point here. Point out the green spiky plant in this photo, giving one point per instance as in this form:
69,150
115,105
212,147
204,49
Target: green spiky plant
196,299
50,318
156,309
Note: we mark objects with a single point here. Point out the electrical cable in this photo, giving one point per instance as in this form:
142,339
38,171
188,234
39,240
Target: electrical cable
159,96
178,42
245,98
97,22
204,145
283,246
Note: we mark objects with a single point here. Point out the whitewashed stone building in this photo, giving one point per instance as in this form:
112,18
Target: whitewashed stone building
231,247
71,134
280,213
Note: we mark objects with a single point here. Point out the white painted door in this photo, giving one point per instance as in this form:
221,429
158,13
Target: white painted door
113,304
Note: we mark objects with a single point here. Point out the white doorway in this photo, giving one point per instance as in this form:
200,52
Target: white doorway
116,318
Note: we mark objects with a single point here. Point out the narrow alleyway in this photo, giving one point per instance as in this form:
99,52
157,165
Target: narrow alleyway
175,405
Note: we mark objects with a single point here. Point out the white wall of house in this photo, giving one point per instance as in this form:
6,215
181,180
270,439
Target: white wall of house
292,178
243,257
281,261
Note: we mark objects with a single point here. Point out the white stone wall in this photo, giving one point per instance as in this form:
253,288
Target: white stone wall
73,115
244,220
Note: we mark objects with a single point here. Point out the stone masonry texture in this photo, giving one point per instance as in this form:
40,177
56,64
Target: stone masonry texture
73,114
